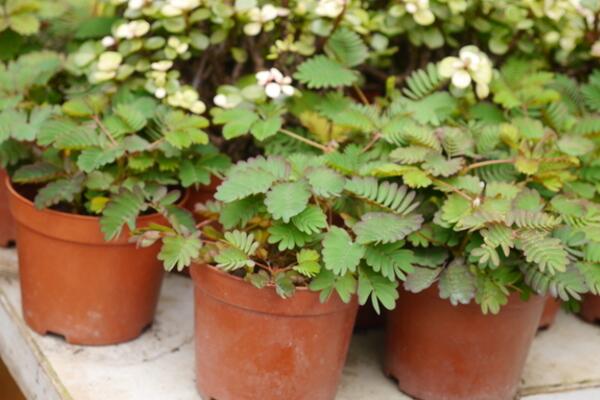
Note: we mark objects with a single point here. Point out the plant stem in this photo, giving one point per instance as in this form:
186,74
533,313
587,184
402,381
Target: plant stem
374,140
312,143
453,188
361,95
104,130
485,163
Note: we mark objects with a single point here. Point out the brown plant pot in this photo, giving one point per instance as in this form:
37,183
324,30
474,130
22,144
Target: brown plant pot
75,284
590,308
202,194
437,351
551,308
7,224
251,344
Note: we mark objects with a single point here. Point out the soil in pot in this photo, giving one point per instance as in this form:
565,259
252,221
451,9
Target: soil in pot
551,308
251,344
437,351
77,285
7,224
590,308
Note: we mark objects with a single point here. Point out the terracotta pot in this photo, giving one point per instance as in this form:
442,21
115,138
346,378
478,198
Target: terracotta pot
590,308
551,308
368,319
7,224
251,344
75,284
202,194
437,351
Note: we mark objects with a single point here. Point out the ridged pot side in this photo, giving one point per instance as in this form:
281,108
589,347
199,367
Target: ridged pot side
251,344
437,351
590,308
75,284
7,224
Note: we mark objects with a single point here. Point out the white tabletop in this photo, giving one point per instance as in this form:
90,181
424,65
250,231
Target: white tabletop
564,363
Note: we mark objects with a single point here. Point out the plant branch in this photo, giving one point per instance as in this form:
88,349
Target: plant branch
104,130
312,143
452,188
372,142
485,163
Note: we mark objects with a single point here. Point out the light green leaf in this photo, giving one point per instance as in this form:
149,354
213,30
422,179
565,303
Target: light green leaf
286,200
340,253
179,251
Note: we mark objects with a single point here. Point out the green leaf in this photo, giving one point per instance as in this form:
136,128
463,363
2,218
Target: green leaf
240,212
340,253
490,296
380,289
243,184
94,158
439,165
308,263
284,286
236,121
191,173
133,118
231,259
421,278
265,128
287,235
389,196
286,200
322,72
457,283
325,182
62,190
377,227
546,252
179,251
347,47
36,173
454,208
311,220
124,208
326,282
390,260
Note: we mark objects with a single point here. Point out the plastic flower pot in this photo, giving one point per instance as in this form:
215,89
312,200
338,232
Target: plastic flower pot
252,344
77,285
590,308
7,224
438,351
202,194
551,308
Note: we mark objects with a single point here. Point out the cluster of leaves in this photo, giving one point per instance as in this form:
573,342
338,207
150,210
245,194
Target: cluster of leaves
300,223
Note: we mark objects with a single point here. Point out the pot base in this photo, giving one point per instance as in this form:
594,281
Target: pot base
85,339
437,351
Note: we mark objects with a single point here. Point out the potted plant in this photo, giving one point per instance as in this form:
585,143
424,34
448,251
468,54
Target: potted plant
493,243
290,229
576,118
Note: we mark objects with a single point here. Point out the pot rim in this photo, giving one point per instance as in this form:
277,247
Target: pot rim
29,203
243,295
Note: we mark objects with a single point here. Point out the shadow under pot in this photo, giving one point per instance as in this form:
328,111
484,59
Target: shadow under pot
438,351
76,284
590,308
252,344
7,224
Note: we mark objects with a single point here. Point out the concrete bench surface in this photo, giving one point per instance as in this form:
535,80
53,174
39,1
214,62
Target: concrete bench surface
564,363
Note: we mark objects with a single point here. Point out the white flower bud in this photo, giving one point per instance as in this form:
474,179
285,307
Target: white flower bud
160,93
108,41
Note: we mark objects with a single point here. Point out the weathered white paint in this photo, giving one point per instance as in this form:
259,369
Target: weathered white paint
564,363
